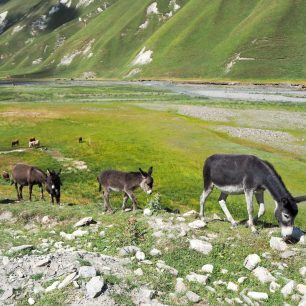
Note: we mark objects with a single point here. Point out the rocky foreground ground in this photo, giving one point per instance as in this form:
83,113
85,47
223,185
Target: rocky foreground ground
171,260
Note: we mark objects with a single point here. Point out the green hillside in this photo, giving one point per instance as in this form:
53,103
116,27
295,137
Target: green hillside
258,40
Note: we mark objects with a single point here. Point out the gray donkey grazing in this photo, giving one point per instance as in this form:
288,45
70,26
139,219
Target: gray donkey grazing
249,175
126,182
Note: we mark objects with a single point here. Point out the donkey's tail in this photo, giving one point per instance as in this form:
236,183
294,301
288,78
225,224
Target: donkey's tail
100,187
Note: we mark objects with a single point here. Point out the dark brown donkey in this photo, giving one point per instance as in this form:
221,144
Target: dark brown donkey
126,182
25,175
15,142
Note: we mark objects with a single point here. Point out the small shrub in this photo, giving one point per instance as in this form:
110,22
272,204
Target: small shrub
154,203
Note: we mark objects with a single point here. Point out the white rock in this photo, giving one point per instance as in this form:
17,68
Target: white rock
303,271
53,286
138,272
190,213
301,289
140,256
211,289
251,261
180,286
5,260
232,287
45,220
162,266
20,248
303,301
207,268
76,284
147,212
68,279
85,221
87,271
43,262
200,246
224,271
193,297
288,288
129,250
258,296
278,244
263,275
242,279
274,286
197,278
238,301
180,219
94,286
197,224
155,252
31,301
79,233
67,236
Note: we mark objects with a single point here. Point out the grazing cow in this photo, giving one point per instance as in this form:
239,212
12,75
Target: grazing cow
5,175
80,139
32,139
34,144
249,175
126,182
15,142
53,187
24,175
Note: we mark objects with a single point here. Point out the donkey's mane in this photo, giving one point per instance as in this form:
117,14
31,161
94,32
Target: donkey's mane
276,174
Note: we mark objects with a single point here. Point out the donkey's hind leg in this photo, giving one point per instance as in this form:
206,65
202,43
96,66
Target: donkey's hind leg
260,200
125,199
249,201
203,198
107,206
222,202
18,195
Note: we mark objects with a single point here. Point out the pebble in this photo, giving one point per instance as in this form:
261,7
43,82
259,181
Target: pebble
198,224
85,221
138,272
208,268
128,250
68,279
87,271
140,256
288,288
263,275
95,286
180,286
102,234
197,278
162,266
232,287
52,287
43,262
79,233
21,248
258,295
242,279
287,254
155,252
31,301
274,286
278,244
147,212
301,289
251,261
303,271
224,271
200,246
190,213
193,297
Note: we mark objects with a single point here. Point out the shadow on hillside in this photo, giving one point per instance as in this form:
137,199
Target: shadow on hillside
62,16
4,2
8,201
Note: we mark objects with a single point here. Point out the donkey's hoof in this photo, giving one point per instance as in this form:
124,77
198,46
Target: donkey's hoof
234,224
255,231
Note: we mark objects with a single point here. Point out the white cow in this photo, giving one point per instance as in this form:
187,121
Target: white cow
34,144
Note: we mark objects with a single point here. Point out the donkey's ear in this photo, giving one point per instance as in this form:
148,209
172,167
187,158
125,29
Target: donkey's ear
143,173
300,199
48,172
150,170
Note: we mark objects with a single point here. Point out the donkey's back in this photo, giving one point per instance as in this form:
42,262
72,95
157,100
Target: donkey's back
25,174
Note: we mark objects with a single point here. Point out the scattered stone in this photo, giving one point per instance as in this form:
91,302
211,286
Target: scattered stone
147,212
258,296
85,221
52,287
87,271
242,279
238,301
45,220
224,271
140,256
274,286
21,248
43,262
162,266
138,272
207,268
303,271
200,246
266,255
79,233
155,252
232,287
197,278
220,282
288,288
5,260
180,219
287,254
263,275
95,286
68,279
301,289
198,224
31,301
180,286
147,262
102,234
190,213
251,261
216,217
278,244
158,234
193,297
7,294
67,236
129,250
211,289
76,285
142,296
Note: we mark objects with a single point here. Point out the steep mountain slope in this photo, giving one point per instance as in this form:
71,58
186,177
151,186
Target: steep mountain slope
184,39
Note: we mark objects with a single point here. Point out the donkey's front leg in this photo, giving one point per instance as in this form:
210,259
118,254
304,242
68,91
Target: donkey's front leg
260,200
249,201
133,199
125,199
107,206
222,202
